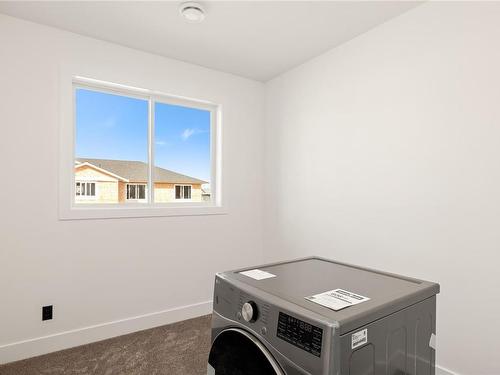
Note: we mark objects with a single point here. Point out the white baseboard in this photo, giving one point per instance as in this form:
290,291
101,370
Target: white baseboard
444,371
68,339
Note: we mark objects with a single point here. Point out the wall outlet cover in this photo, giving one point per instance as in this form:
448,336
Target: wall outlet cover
47,312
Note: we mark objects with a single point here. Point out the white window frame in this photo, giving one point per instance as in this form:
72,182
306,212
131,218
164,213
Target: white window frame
69,210
183,199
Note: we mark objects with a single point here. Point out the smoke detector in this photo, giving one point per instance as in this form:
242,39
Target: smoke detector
192,12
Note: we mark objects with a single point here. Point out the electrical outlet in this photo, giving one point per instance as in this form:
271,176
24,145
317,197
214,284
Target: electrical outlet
47,312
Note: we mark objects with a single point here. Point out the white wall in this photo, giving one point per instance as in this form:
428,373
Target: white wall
100,271
385,152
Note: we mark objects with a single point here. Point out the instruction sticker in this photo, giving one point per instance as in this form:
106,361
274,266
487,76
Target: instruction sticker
432,341
258,274
337,299
359,338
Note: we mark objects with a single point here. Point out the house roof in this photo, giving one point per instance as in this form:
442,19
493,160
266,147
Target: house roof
137,171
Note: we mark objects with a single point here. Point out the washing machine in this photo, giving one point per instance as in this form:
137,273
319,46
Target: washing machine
321,317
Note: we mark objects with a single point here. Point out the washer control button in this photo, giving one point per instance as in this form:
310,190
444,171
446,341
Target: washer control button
249,311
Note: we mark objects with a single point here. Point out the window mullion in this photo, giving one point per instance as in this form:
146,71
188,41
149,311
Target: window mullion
151,129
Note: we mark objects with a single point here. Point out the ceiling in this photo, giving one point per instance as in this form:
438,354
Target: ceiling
253,39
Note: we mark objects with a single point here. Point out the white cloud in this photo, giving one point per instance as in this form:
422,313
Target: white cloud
160,143
187,133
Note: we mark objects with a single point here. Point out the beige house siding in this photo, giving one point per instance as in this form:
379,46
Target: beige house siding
196,193
110,189
165,192
106,186
86,173
107,192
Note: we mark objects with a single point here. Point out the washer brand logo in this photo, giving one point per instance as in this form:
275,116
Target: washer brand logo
359,338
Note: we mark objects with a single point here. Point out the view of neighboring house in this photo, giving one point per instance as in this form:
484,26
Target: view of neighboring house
122,181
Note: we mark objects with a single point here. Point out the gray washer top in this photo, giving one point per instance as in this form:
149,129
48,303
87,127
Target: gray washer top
300,278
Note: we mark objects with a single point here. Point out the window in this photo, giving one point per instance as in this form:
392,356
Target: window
142,149
136,191
182,144
182,191
85,189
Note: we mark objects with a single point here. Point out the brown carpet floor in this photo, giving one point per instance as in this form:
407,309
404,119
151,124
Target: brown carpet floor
176,349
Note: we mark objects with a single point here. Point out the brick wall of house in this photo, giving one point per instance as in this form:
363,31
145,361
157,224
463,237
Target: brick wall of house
122,192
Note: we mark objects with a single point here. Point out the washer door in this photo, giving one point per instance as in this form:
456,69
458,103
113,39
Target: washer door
236,352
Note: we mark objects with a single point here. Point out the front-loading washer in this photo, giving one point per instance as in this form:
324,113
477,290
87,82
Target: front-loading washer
320,317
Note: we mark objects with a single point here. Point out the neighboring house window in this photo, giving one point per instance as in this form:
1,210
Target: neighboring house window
182,191
85,189
122,134
136,191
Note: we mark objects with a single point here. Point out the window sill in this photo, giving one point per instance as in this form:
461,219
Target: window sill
110,212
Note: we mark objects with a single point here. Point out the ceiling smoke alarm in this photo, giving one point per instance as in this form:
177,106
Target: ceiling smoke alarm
192,12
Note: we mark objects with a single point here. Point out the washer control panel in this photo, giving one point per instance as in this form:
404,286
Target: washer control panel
300,334
286,333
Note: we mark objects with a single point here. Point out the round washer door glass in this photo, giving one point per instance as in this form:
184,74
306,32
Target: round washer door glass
236,352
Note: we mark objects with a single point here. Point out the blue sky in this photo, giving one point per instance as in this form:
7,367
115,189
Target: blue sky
116,127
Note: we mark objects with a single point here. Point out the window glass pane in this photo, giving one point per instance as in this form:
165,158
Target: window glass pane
111,144
182,152
132,192
141,191
187,192
78,188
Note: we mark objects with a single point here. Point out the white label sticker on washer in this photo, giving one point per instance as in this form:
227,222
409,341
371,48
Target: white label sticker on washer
359,338
258,274
337,299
